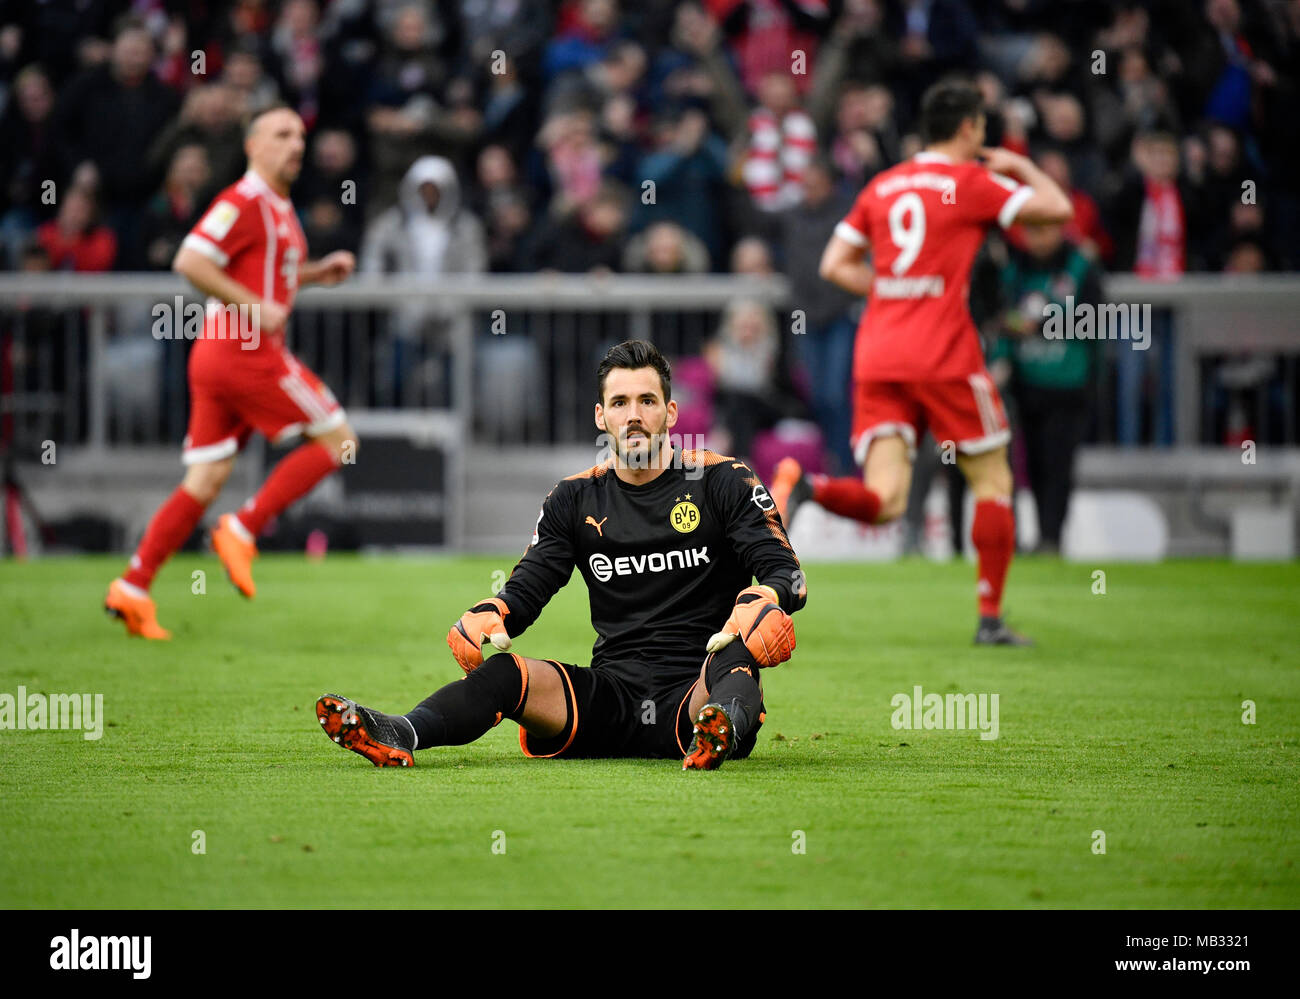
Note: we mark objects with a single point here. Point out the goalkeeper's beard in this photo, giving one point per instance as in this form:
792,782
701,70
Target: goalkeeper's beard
641,458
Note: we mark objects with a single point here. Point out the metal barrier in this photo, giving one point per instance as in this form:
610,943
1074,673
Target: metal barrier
512,355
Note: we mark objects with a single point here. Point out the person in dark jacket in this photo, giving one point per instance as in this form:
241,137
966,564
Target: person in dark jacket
1051,380
109,117
829,315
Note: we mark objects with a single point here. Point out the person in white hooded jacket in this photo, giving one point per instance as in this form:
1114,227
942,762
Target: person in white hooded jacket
426,233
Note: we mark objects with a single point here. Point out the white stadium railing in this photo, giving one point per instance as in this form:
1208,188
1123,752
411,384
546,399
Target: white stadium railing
404,342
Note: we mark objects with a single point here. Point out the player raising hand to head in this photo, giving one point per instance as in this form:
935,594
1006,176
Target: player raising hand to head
918,362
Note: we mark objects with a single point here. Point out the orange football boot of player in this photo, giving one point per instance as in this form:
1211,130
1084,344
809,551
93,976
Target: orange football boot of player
790,488
712,740
236,554
138,613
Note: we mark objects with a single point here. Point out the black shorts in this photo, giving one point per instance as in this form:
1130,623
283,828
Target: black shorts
608,718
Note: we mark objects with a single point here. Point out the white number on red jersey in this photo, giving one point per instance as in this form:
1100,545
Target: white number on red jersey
289,269
909,236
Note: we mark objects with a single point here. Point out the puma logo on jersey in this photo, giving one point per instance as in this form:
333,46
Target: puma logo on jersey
741,669
593,523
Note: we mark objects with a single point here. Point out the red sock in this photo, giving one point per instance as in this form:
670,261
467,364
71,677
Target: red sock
848,497
994,536
295,476
171,525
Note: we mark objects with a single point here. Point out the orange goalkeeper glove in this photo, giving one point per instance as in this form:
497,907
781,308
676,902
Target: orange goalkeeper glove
759,622
481,623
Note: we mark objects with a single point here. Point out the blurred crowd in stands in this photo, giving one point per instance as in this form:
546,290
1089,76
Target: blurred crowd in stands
648,137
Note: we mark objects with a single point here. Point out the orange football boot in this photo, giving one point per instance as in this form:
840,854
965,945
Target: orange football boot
790,488
236,554
138,613
713,739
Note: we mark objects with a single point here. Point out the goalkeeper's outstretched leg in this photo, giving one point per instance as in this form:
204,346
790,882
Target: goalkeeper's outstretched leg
529,691
569,711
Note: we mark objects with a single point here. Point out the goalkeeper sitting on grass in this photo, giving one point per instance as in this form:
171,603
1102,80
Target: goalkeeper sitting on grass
668,542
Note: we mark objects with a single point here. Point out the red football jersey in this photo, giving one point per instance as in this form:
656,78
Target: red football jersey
924,221
253,234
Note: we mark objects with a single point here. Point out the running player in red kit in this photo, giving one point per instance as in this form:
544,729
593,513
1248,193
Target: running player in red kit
248,254
918,361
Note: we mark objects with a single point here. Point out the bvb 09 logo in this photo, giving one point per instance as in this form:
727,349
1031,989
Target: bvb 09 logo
685,516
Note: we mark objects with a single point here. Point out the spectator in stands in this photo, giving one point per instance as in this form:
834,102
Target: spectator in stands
1064,124
829,315
29,158
517,30
74,240
782,139
109,117
1218,182
585,239
574,163
1150,221
694,71
856,54
688,170
933,37
865,139
1051,380
593,31
1142,103
504,205
752,255
743,357
665,248
1246,256
329,226
173,211
296,44
333,173
1085,230
245,75
764,35
211,117
412,112
427,232
1232,62
510,111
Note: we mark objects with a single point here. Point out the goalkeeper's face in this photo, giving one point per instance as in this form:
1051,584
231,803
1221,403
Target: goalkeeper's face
635,416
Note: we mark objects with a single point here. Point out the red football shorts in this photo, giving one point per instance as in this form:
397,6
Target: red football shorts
967,411
233,393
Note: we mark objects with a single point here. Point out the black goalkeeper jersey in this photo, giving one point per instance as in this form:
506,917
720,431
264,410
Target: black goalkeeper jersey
663,561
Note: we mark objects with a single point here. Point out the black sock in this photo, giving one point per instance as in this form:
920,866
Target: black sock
466,708
732,676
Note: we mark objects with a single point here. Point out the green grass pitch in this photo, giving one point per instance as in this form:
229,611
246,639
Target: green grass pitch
1126,719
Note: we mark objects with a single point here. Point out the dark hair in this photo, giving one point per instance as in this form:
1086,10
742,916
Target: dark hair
251,119
945,106
634,354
